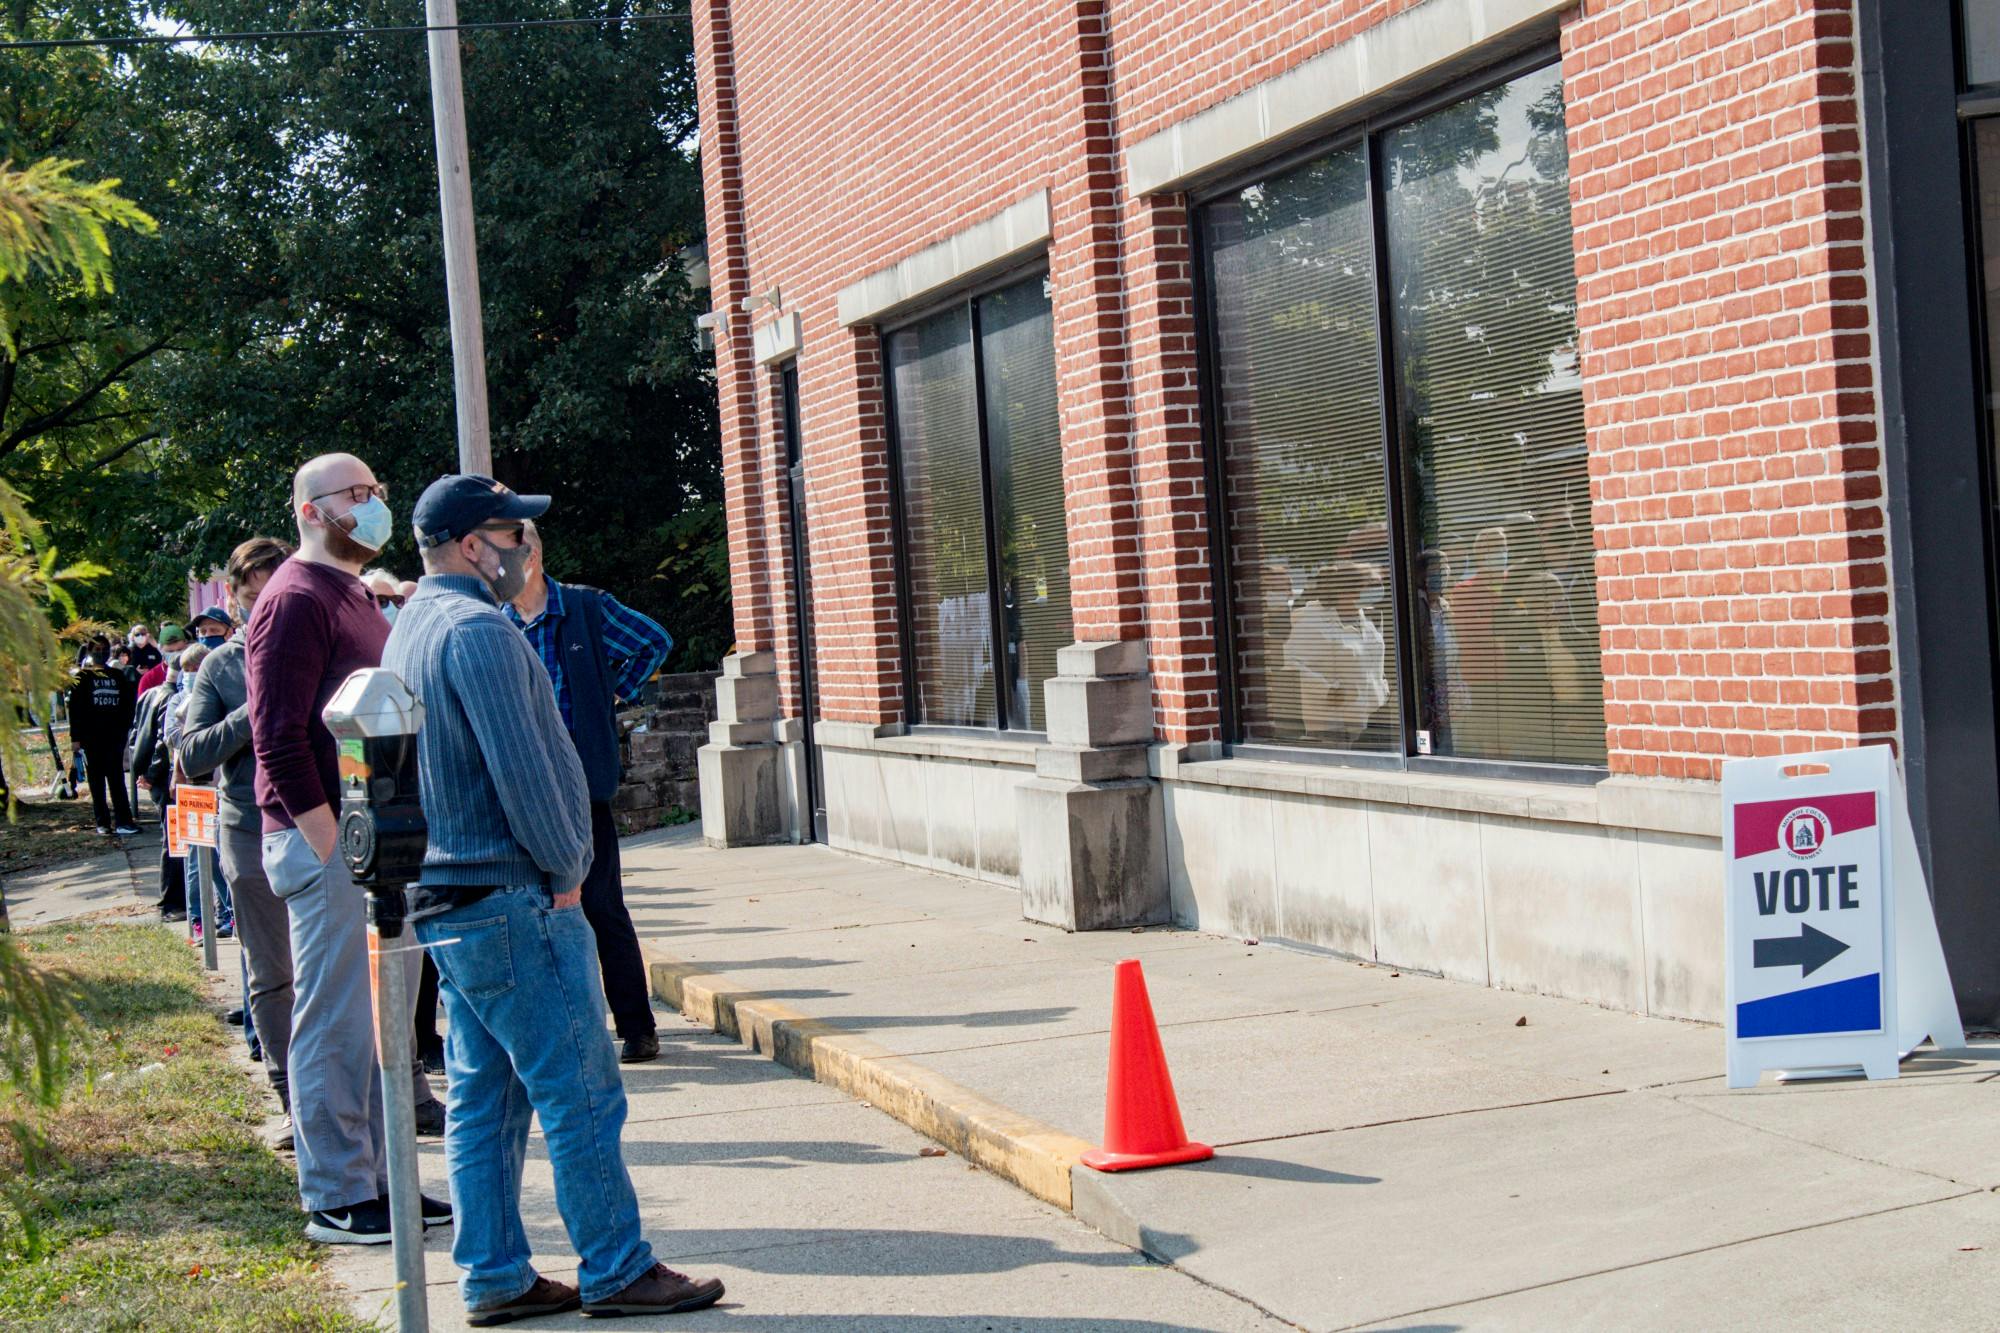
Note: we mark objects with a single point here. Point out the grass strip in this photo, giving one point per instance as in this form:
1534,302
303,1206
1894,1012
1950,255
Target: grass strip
168,1213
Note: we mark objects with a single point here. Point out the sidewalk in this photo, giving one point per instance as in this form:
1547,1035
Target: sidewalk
1390,1147
127,876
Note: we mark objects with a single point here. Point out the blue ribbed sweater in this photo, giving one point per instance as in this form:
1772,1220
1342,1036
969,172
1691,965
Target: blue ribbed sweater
503,790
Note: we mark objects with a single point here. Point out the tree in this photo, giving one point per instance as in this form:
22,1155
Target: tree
295,300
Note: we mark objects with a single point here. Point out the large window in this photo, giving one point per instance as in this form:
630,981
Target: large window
986,553
1400,467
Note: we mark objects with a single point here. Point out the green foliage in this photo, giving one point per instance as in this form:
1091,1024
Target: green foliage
54,226
33,663
293,299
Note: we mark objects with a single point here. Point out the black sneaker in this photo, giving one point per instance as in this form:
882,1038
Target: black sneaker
125,831
356,1224
234,1018
638,1050
437,1213
430,1119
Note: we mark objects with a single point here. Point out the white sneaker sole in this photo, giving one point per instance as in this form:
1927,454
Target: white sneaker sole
330,1236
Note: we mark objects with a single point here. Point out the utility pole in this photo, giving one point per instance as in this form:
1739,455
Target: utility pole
461,255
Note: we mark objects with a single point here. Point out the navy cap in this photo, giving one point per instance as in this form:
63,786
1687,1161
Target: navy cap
451,507
218,615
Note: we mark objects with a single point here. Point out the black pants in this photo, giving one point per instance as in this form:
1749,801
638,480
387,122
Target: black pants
106,763
618,955
426,1025
173,870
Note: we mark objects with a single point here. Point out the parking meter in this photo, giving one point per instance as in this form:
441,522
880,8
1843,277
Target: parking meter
375,720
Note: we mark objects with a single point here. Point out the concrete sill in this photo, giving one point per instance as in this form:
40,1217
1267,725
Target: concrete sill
1689,808
926,745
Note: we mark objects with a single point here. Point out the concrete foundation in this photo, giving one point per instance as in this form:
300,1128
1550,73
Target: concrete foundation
742,778
1610,893
1093,848
1092,854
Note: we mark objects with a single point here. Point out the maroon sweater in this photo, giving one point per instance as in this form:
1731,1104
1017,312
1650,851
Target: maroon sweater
314,626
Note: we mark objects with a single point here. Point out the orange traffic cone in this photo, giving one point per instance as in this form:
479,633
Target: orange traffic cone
1142,1121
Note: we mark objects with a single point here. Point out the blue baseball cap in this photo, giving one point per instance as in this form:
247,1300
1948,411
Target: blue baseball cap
452,506
218,615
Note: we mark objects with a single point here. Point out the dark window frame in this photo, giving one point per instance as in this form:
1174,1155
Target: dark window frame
1366,134
967,297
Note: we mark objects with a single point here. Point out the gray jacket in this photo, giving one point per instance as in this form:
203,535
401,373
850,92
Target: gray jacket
216,735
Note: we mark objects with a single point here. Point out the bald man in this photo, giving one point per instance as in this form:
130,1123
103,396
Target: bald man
314,625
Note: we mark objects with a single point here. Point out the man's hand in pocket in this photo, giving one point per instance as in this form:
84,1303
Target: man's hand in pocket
570,899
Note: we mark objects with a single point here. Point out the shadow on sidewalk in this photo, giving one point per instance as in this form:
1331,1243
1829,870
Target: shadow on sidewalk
832,1252
765,1155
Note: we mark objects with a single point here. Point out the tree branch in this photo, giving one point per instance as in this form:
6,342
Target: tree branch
42,424
123,449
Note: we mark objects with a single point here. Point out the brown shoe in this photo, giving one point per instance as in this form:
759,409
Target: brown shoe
662,1291
545,1297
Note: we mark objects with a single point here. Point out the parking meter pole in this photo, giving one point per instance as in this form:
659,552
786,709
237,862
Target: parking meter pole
392,1041
204,872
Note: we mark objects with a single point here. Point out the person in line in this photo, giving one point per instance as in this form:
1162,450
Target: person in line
173,642
171,729
216,742
388,595
509,815
598,651
145,655
150,764
313,627
101,705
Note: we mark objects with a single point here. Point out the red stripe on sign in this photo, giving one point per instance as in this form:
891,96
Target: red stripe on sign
1757,821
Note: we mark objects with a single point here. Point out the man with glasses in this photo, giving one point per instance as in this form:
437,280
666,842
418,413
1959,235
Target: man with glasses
314,625
510,844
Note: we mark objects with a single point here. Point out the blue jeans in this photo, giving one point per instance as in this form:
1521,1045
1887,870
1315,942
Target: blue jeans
191,871
520,989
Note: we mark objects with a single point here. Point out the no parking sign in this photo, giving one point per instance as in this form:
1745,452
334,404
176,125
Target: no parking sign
1833,959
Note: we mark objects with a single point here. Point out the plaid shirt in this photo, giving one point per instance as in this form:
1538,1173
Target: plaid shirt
635,645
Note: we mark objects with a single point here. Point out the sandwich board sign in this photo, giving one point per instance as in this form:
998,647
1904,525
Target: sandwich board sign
1833,964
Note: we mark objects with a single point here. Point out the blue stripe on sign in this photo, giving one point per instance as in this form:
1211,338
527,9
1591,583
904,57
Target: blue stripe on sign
1840,1006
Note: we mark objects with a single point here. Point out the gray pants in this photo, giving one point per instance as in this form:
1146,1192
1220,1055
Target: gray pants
336,1089
264,929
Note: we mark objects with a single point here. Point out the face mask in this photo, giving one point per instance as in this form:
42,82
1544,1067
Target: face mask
372,523
1370,595
512,575
210,641
139,639
389,612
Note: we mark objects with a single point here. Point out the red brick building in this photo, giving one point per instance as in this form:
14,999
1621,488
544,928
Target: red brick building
1351,471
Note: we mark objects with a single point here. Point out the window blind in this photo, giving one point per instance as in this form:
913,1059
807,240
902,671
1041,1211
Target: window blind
1483,308
1298,396
1024,444
944,520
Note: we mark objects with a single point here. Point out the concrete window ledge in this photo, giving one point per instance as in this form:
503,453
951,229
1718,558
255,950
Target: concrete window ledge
920,744
1658,806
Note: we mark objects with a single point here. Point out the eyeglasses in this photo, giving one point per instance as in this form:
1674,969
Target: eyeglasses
381,600
357,494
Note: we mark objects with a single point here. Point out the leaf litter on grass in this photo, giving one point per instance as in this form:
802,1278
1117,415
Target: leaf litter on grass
168,1212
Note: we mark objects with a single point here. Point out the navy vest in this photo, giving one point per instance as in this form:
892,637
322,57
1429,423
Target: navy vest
593,702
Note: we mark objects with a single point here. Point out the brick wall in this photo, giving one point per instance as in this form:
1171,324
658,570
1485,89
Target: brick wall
1723,311
1716,172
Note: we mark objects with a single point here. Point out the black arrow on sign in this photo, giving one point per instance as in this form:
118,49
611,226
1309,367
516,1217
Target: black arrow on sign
1812,950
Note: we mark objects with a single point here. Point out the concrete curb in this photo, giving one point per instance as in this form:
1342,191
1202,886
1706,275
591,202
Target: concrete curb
1017,1148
